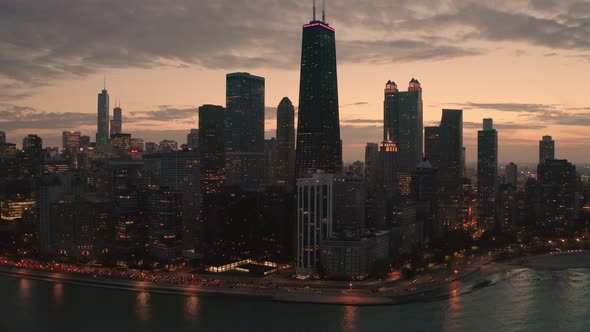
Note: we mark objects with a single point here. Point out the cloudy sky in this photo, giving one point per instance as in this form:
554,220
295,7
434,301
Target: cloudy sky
524,63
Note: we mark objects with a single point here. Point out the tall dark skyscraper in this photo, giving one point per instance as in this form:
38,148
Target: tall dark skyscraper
2,137
558,184
318,129
285,161
546,149
512,175
244,130
403,124
102,131
487,174
117,121
212,148
444,149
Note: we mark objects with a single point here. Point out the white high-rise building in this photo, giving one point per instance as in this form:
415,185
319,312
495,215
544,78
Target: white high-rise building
314,219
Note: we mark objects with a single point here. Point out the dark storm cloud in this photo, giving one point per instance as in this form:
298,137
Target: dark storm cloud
43,41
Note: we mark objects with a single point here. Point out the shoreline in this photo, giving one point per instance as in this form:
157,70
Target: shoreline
476,279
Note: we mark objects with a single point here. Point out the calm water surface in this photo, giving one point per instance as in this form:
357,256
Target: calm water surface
526,301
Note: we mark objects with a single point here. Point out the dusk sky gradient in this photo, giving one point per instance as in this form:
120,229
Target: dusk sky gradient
525,63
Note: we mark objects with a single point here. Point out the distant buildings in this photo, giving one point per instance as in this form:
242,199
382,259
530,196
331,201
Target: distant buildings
403,125
212,148
244,131
117,121
512,175
192,139
102,131
546,149
444,149
71,140
487,174
285,161
319,146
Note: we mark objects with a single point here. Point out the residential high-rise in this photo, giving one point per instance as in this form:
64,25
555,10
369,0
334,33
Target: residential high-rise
70,140
164,214
350,192
546,149
512,175
192,139
212,148
403,124
444,149
487,174
32,144
387,187
102,131
558,184
244,130
319,146
270,161
371,165
137,144
314,220
84,141
117,121
285,161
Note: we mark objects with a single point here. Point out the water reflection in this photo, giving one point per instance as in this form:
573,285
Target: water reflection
58,292
349,321
142,306
24,289
455,310
191,307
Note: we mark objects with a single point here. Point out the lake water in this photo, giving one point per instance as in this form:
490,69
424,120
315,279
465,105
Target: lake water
525,301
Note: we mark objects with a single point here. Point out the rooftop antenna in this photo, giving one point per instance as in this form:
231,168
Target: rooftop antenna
324,11
314,10
105,82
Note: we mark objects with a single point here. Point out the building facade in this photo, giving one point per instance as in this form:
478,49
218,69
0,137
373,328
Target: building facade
319,146
244,131
487,175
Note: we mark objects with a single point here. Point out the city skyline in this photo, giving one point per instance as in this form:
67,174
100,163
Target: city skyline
514,76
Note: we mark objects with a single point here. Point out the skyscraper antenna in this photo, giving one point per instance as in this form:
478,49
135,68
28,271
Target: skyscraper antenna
324,11
105,82
314,10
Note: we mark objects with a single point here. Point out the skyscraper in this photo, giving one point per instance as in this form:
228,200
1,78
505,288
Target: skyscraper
244,130
314,220
487,174
192,139
403,124
546,149
70,140
102,131
512,174
444,149
285,161
318,130
2,137
212,148
117,121
558,184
